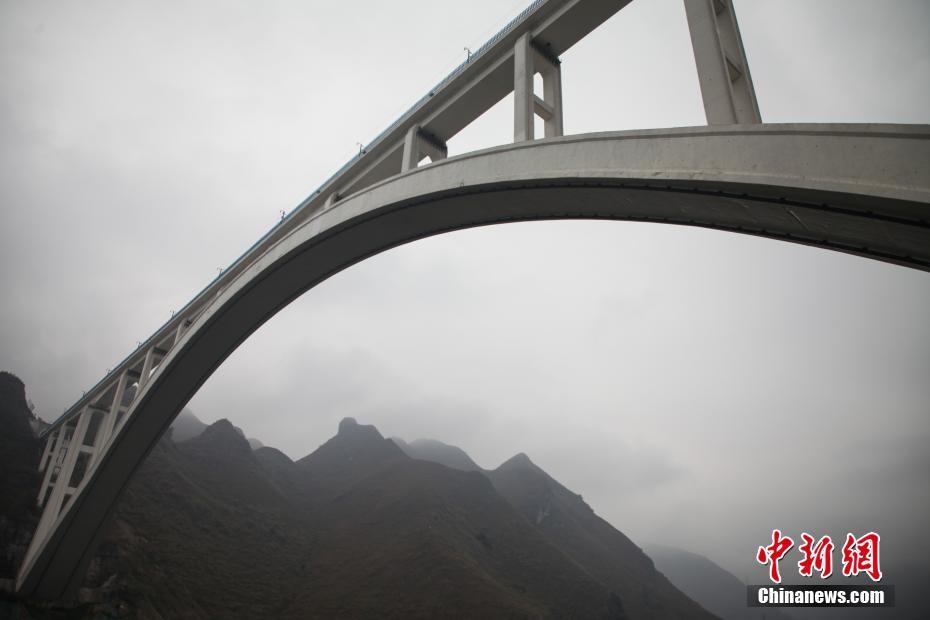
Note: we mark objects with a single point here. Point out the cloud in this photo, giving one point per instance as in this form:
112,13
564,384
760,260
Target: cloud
697,387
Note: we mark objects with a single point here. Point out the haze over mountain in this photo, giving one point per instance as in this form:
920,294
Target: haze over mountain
718,590
571,523
438,452
563,518
363,526
210,528
670,333
19,478
699,577
187,426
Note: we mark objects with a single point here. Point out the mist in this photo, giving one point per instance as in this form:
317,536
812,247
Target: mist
698,388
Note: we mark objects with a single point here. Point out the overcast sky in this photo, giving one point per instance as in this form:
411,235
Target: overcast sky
699,388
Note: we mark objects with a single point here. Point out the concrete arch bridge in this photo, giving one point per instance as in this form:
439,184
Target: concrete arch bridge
858,189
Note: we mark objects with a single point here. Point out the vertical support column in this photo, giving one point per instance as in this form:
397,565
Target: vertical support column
109,422
411,149
524,101
527,55
552,96
147,365
419,144
180,330
723,72
48,451
55,442
56,500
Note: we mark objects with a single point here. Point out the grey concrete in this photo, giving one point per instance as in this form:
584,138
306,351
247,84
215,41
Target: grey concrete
529,58
552,100
523,99
723,71
418,145
859,189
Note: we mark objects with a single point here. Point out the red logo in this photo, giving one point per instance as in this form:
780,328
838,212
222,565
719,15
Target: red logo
773,553
860,555
817,557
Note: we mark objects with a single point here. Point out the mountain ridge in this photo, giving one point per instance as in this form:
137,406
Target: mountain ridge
714,587
355,528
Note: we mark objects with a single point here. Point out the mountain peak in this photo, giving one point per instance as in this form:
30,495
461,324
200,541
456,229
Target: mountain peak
16,413
354,444
518,461
347,424
20,450
186,426
222,426
16,384
222,433
349,427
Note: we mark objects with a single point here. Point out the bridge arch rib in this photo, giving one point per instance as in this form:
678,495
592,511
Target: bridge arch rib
859,189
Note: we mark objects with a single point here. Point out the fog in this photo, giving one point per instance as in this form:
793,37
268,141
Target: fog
698,388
